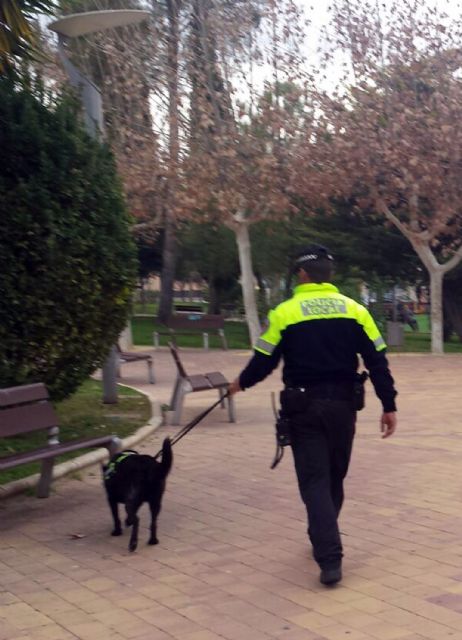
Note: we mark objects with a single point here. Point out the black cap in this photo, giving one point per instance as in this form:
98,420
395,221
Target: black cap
312,253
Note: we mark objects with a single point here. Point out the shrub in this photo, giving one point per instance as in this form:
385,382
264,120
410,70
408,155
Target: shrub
67,264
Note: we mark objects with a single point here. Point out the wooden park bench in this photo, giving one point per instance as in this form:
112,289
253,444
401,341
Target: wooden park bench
199,382
136,356
191,324
27,408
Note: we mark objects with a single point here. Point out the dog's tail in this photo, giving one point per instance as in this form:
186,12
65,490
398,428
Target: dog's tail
167,457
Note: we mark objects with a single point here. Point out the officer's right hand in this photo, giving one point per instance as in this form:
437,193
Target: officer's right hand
234,387
388,424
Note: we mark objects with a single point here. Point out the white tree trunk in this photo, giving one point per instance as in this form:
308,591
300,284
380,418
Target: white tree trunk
241,229
436,271
436,306
126,338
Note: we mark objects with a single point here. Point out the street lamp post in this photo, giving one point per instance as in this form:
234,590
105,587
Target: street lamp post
72,26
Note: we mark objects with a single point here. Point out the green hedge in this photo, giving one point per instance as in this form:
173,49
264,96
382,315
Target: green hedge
67,261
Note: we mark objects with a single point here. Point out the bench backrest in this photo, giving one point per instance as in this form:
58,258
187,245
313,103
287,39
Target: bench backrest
196,321
179,365
24,409
188,308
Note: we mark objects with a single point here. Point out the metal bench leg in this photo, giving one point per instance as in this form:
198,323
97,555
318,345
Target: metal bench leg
43,487
231,409
151,372
175,393
221,333
177,409
114,446
221,394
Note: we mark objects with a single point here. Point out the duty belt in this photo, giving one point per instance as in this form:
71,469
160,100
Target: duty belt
339,389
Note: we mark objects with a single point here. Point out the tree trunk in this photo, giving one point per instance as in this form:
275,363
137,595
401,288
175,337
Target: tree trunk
241,230
262,302
167,275
143,294
436,309
214,301
170,247
452,305
288,282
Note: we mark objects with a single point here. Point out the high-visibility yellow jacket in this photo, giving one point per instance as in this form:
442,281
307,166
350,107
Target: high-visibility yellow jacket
319,333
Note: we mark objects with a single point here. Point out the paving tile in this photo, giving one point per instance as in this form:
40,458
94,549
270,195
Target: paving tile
168,621
8,630
52,632
90,631
387,631
311,620
201,635
370,605
155,634
342,632
8,598
74,617
135,603
116,617
100,584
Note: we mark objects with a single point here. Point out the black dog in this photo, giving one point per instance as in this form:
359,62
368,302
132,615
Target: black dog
131,479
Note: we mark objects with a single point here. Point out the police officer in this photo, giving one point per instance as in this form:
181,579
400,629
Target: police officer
319,333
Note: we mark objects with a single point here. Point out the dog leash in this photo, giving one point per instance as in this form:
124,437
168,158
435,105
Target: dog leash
193,423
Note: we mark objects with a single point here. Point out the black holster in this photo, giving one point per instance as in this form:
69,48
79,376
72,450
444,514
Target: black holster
359,391
283,431
282,438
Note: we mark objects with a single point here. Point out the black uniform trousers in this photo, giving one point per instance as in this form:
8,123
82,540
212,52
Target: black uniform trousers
322,426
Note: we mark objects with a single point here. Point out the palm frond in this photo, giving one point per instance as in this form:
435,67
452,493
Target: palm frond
18,38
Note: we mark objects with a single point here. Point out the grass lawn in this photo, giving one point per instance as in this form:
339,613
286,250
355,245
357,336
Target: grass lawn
236,333
82,415
420,341
149,308
423,322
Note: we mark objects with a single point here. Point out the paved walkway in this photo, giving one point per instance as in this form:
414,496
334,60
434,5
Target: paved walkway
233,560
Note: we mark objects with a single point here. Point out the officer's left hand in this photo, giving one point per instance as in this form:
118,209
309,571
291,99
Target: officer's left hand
388,424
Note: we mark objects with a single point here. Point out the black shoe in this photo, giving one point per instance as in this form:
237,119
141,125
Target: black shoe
331,576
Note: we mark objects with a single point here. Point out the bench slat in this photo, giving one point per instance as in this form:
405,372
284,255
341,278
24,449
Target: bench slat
52,451
26,418
191,308
199,382
131,356
22,394
217,379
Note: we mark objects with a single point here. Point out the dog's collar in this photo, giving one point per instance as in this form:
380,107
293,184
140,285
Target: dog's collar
111,467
